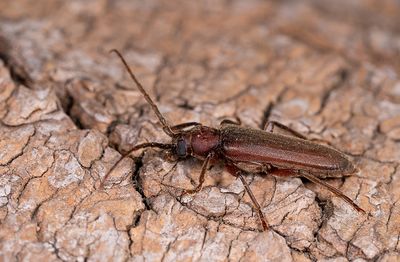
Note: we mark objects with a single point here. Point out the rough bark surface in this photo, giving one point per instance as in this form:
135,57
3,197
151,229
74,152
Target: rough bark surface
329,69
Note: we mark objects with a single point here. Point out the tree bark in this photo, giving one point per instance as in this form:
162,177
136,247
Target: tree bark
68,111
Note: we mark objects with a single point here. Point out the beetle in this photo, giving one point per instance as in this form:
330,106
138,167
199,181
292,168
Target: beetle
243,150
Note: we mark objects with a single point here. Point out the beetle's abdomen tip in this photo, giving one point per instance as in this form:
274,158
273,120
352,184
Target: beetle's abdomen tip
344,165
351,168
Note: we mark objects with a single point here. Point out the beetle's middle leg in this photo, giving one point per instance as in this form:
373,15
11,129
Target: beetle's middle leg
269,127
201,177
238,122
235,171
314,179
182,126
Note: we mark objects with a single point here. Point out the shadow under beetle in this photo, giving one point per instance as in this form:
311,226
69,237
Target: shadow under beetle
244,150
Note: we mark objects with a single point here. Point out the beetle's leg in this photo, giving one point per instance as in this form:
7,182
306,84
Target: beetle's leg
269,127
333,190
314,179
255,202
235,171
238,122
184,125
137,147
253,167
201,177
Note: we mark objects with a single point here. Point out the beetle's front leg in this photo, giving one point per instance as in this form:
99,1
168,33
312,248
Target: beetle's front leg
235,171
135,148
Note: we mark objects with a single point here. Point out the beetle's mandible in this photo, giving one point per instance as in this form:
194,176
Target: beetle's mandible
243,150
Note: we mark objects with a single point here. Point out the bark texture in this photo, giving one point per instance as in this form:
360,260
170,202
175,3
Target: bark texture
329,69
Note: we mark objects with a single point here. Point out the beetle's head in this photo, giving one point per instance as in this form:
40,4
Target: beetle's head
181,146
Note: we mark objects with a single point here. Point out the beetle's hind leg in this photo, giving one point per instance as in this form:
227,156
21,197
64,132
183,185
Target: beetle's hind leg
235,171
314,179
335,191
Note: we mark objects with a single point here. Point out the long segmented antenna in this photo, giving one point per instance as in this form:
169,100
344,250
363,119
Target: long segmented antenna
164,123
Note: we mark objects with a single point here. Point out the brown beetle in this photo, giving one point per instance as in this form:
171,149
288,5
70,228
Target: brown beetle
243,150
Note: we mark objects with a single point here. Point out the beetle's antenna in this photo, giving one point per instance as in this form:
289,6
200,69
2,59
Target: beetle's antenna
164,123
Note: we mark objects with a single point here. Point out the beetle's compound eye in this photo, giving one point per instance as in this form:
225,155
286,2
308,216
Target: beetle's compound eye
181,148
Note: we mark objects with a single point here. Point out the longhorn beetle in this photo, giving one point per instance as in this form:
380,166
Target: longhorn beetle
243,150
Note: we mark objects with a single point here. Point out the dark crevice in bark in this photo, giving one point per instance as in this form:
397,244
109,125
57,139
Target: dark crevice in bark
137,220
327,209
56,251
269,108
138,183
68,105
18,72
67,102
185,105
112,127
343,75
